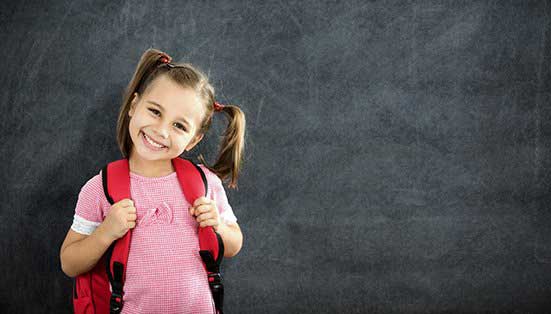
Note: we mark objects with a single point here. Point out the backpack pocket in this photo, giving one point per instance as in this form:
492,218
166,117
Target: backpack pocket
82,304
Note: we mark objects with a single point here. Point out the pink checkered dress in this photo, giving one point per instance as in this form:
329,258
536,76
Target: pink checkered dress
165,272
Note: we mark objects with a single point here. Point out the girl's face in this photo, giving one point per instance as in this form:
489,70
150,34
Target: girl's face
164,120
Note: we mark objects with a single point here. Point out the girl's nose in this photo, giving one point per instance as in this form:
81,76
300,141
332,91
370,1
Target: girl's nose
162,132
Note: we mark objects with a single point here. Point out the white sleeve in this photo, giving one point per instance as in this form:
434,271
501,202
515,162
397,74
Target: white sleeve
228,216
84,226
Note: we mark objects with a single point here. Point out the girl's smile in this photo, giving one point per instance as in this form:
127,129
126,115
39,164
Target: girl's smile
152,144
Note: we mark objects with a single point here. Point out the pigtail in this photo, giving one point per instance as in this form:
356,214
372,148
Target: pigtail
230,154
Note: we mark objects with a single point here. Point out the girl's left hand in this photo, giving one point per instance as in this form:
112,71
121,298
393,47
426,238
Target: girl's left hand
205,212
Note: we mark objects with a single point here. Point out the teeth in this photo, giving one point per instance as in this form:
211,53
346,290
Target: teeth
151,141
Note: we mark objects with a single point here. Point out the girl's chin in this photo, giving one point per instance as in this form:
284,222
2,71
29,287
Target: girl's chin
146,153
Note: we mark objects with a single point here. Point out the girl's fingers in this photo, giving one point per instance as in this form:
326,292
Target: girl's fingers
202,201
204,216
208,222
203,209
126,202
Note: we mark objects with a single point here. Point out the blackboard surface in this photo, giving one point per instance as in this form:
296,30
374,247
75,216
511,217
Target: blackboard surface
397,152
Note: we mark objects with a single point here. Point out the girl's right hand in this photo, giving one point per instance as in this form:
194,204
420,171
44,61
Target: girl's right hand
121,217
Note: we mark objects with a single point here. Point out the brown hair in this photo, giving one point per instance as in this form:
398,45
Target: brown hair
151,66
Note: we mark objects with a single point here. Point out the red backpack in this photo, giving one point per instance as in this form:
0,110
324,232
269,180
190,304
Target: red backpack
100,290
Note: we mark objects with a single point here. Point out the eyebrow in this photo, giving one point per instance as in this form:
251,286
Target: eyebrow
162,109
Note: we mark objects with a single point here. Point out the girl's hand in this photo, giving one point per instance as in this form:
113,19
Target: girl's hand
205,212
121,217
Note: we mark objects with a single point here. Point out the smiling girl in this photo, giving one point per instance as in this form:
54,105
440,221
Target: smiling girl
166,111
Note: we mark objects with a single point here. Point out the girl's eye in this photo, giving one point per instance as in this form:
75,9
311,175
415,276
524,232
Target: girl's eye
178,125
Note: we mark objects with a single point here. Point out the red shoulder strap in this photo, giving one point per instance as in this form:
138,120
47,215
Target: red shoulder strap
116,185
194,185
192,179
117,180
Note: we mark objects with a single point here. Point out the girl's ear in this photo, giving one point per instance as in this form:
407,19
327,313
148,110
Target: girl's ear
133,105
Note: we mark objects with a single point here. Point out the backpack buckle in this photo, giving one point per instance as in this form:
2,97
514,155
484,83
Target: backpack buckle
116,302
215,280
217,290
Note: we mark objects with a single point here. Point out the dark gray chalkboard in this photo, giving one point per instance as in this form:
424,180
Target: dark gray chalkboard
397,153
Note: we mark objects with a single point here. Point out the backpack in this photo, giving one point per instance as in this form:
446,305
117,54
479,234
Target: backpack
100,290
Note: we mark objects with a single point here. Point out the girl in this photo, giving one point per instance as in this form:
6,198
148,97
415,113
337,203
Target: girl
166,110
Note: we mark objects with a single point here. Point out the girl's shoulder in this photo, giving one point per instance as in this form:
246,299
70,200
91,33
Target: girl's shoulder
92,203
93,185
211,176
93,189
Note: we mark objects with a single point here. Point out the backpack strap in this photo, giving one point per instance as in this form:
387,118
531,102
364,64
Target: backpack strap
194,185
116,186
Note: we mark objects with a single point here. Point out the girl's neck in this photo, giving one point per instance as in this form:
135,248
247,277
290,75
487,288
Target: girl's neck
148,168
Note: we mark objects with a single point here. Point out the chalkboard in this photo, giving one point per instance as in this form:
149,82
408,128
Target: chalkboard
397,152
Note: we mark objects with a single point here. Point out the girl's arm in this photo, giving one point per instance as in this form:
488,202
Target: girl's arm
80,253
232,238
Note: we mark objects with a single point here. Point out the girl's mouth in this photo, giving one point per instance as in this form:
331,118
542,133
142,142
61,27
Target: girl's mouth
151,144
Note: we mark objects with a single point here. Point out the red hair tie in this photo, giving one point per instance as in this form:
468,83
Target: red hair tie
218,106
165,58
